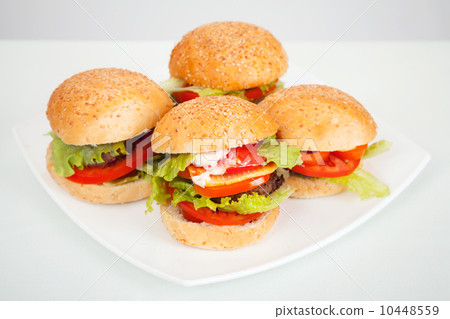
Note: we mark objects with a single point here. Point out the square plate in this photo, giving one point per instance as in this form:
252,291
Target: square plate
142,239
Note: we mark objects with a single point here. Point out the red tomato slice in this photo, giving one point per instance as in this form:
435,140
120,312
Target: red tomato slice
185,174
353,154
185,210
334,167
232,170
253,94
256,93
226,190
184,96
216,218
334,164
314,158
99,175
246,157
273,87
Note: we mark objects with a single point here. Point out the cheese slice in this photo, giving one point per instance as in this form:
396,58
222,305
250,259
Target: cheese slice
228,179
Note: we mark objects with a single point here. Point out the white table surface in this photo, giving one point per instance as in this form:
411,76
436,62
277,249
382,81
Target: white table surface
401,253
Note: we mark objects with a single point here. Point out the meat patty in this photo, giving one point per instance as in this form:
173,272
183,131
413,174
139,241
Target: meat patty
108,160
268,187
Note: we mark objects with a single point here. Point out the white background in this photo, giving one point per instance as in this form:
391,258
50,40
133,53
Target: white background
289,20
402,253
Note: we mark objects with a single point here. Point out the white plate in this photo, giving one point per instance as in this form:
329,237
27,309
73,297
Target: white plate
124,229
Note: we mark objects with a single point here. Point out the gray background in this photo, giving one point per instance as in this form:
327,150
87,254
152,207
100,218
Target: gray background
322,20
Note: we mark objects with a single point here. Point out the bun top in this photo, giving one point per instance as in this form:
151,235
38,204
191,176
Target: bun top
330,118
105,105
228,56
211,123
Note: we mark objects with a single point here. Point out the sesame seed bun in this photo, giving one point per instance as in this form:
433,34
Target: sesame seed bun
101,194
105,105
328,117
211,123
208,236
228,56
306,187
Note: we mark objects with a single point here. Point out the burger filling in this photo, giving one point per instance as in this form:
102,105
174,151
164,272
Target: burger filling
235,188
182,91
108,164
343,167
274,182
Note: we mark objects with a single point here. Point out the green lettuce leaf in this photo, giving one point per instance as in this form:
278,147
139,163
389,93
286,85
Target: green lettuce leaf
170,167
377,148
151,164
279,85
246,204
254,203
65,156
161,170
159,193
362,183
167,168
172,84
280,153
178,85
208,92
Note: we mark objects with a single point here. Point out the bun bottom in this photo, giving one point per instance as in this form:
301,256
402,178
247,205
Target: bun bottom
208,236
101,194
312,187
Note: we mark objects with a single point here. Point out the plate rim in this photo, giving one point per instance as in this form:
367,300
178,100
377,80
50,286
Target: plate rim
251,270
316,245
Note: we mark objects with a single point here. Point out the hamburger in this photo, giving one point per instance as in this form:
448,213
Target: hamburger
102,121
332,130
217,184
226,58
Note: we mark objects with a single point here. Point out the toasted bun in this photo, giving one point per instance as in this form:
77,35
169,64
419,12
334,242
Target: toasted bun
228,56
104,106
331,119
100,194
310,188
211,123
208,236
